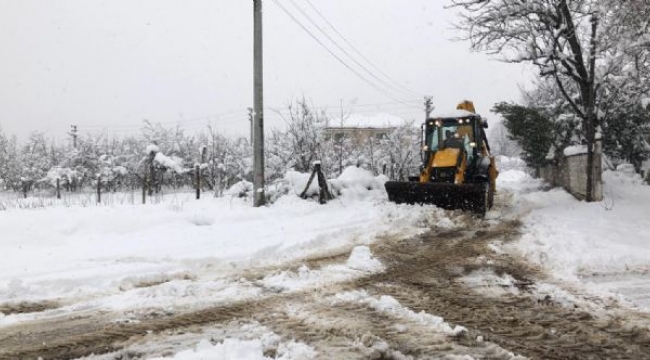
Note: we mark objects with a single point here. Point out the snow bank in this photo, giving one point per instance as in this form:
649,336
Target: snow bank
358,183
231,349
295,183
517,182
105,252
353,184
574,239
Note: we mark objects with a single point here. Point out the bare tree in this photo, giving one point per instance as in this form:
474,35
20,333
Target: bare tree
573,42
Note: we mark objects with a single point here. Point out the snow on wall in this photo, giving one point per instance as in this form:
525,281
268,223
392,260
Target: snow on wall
575,150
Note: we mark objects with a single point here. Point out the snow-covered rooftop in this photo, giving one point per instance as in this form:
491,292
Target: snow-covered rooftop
452,114
375,121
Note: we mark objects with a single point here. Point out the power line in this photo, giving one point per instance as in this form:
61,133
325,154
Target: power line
286,11
236,115
372,74
229,116
358,52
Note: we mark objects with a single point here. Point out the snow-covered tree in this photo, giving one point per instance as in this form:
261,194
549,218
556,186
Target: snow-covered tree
541,133
9,161
627,135
576,43
301,143
400,152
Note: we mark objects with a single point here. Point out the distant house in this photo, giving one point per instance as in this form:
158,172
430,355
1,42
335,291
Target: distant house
360,128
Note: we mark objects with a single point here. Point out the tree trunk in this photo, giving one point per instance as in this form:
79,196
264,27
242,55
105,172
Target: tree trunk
197,174
152,174
99,190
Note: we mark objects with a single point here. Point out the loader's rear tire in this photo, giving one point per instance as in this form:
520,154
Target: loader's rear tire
490,196
484,200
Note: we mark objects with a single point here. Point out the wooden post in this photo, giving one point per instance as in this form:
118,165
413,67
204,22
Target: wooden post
99,189
324,195
152,173
58,188
144,189
197,174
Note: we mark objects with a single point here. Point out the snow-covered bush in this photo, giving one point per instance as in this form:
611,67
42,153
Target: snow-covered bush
241,189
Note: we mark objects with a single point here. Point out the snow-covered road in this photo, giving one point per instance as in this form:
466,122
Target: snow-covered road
132,267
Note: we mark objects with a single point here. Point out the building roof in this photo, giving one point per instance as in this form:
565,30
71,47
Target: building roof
375,121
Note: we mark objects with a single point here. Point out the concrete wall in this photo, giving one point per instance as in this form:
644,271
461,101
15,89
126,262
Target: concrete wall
571,174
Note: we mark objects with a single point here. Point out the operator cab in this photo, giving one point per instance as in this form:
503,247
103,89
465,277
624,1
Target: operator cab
459,133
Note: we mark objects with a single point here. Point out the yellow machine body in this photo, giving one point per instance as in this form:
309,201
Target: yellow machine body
458,170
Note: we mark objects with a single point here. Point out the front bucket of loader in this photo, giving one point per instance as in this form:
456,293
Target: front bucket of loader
470,197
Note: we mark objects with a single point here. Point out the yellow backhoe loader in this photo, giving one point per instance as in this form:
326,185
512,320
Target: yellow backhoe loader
457,171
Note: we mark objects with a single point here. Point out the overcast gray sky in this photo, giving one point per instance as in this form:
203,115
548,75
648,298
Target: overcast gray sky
111,64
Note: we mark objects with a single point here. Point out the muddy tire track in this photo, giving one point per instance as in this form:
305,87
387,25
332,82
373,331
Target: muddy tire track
422,273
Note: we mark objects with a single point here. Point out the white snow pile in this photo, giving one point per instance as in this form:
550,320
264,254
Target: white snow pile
353,183
514,176
574,239
240,189
358,183
294,182
231,349
362,259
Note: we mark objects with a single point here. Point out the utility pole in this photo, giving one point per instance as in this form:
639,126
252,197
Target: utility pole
341,140
258,108
428,106
250,120
73,133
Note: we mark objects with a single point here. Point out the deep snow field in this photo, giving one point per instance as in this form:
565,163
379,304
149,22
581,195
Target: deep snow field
96,258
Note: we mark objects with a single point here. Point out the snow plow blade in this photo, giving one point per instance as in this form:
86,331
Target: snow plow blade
470,197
